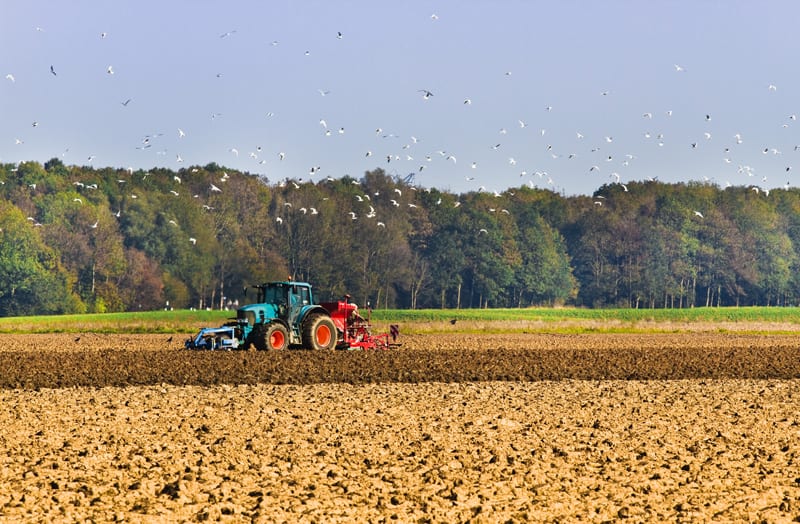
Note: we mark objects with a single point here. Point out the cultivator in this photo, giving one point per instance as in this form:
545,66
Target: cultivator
356,331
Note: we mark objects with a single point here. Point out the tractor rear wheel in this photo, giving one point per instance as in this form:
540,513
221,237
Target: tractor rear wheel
276,336
319,332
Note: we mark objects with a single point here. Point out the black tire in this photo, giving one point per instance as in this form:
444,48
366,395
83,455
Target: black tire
319,332
276,337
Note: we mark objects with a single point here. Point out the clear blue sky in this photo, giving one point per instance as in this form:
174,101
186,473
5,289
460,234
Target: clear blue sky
257,77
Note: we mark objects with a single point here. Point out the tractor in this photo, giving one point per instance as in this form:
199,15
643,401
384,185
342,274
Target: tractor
285,315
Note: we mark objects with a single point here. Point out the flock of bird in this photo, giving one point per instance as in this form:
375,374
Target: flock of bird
537,155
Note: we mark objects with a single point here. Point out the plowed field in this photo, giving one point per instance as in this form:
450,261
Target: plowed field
484,428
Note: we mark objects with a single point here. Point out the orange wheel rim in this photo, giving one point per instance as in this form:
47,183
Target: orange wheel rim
323,335
277,339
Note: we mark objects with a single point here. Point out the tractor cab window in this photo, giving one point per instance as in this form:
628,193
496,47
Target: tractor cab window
305,299
274,295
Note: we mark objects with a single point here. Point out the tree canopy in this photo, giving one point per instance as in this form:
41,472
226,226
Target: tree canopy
87,239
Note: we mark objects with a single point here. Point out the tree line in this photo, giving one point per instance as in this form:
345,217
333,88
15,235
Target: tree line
85,239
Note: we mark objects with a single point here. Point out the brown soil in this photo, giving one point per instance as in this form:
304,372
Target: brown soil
683,427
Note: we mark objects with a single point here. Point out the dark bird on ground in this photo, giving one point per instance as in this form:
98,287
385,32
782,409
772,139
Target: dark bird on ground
169,339
453,321
77,339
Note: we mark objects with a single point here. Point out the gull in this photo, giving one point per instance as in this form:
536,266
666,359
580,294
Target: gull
126,102
178,158
339,35
53,71
173,192
394,203
427,94
76,199
227,33
482,230
193,240
94,226
380,224
313,211
181,134
578,134
173,222
9,76
177,179
323,93
398,191
234,151
772,87
522,124
279,220
215,188
18,141
353,215
281,155
468,101
323,123
698,213
110,70
103,34
118,213
679,69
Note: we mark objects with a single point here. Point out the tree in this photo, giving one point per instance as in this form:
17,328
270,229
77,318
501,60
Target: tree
31,279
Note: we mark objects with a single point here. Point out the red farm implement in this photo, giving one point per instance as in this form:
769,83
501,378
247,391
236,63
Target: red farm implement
355,331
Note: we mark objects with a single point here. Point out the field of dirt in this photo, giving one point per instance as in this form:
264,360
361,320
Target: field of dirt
447,428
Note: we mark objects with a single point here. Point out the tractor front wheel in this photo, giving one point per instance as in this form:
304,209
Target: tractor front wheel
319,333
276,336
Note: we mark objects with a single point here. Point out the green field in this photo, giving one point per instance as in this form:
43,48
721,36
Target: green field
544,320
